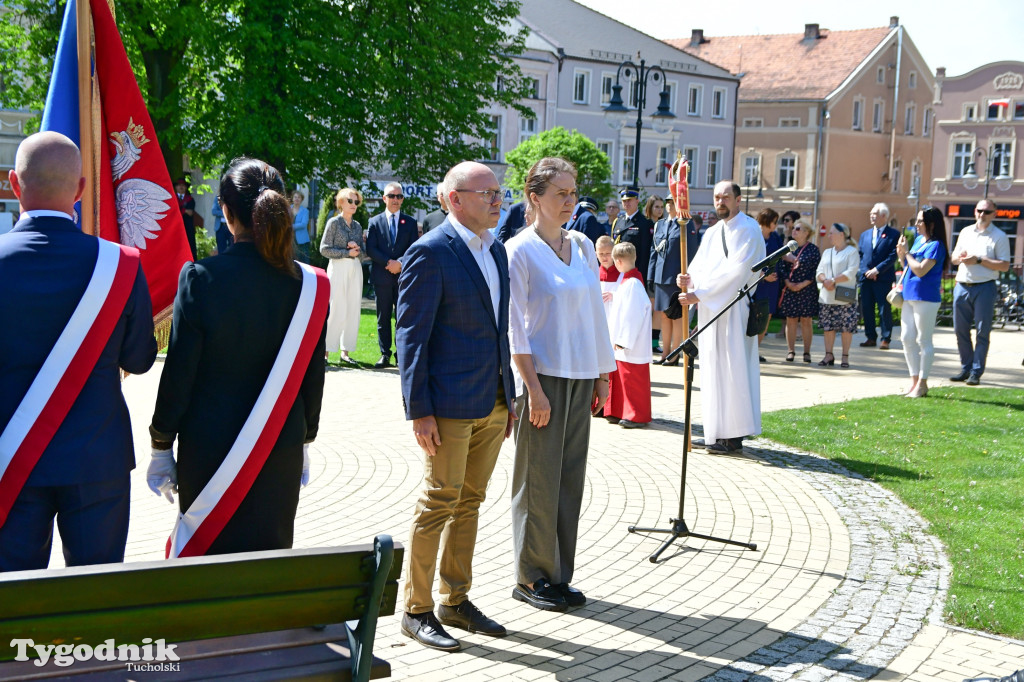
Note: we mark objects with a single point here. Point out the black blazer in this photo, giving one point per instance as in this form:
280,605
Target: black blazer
433,219
638,231
379,247
230,317
512,222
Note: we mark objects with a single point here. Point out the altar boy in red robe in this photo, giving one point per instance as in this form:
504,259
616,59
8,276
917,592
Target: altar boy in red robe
629,323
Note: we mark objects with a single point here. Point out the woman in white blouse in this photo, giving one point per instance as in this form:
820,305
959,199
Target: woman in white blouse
562,356
837,273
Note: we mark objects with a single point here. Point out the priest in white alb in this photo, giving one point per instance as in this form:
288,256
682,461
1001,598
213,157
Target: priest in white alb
729,370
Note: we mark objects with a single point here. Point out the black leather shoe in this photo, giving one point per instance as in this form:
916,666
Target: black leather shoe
627,424
468,617
573,597
384,361
424,628
962,376
543,595
974,379
870,343
726,446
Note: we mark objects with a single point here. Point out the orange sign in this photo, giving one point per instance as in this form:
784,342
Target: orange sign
954,210
6,193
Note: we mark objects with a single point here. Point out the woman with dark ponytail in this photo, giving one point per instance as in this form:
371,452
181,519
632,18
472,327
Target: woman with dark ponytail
243,380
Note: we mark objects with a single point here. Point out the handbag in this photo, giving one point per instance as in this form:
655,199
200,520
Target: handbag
674,311
843,294
760,312
895,297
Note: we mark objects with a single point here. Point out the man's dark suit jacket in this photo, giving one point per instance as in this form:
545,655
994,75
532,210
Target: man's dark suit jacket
46,264
513,222
433,219
452,352
589,225
380,249
882,256
637,230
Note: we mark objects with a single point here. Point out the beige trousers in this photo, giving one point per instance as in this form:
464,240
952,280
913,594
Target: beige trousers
454,485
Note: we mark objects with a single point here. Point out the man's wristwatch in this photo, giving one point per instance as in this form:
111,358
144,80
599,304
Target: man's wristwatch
977,260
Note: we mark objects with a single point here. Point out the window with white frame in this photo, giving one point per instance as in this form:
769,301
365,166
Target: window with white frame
877,116
897,170
789,123
527,128
753,122
995,109
693,100
858,114
533,87
714,166
581,86
1018,111
494,143
751,170
718,100
607,146
912,80
691,154
499,84
926,122
787,171
915,177
1002,153
607,81
672,87
908,119
961,158
880,75
626,174
661,175
969,111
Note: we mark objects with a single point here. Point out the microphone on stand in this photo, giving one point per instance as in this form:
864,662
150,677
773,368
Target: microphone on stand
776,257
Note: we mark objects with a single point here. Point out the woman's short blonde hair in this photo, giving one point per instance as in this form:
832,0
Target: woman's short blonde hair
348,193
806,228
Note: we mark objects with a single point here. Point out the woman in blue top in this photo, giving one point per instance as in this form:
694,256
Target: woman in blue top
922,292
300,224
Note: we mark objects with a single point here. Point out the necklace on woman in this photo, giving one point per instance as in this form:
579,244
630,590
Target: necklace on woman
561,241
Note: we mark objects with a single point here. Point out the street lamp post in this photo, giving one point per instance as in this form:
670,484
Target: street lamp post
754,180
616,113
1004,180
915,196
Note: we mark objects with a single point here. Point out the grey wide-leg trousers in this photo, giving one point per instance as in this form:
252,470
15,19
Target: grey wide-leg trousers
547,482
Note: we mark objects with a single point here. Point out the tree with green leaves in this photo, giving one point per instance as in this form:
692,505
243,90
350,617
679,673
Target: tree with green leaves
318,88
592,165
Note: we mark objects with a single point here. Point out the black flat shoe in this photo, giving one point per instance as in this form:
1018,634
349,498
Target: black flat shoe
469,617
424,628
543,595
573,597
627,424
807,357
789,356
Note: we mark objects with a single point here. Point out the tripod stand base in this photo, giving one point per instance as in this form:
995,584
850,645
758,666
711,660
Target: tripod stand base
679,530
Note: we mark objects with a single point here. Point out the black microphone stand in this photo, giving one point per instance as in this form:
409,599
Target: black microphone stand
679,528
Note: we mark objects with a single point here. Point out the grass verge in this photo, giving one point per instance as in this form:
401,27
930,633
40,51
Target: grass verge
957,457
367,350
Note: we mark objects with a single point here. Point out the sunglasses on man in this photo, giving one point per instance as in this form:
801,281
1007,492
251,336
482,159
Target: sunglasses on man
395,196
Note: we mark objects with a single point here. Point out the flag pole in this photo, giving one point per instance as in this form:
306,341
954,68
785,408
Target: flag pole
87,121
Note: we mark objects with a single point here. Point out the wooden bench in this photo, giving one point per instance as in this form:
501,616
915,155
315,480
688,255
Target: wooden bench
253,616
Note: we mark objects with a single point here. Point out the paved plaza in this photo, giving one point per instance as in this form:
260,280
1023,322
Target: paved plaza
846,582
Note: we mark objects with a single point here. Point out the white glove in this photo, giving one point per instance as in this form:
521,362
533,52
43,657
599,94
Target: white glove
162,475
304,481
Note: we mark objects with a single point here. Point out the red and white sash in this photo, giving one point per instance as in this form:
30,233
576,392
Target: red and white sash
66,369
196,529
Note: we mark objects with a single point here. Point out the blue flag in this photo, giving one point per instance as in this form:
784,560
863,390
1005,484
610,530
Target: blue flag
60,113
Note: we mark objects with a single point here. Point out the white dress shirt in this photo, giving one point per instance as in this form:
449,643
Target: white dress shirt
556,313
480,247
990,243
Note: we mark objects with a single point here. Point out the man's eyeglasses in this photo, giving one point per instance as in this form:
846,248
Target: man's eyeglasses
982,211
352,201
395,196
494,196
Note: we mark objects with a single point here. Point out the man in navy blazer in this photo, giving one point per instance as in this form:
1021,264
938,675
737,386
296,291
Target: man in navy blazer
390,235
455,364
82,477
877,274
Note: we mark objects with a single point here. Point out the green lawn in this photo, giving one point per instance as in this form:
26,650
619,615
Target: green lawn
367,351
957,457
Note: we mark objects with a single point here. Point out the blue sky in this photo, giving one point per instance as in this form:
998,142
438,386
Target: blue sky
958,35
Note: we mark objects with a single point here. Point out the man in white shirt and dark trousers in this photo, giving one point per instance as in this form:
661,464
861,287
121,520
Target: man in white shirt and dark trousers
982,251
